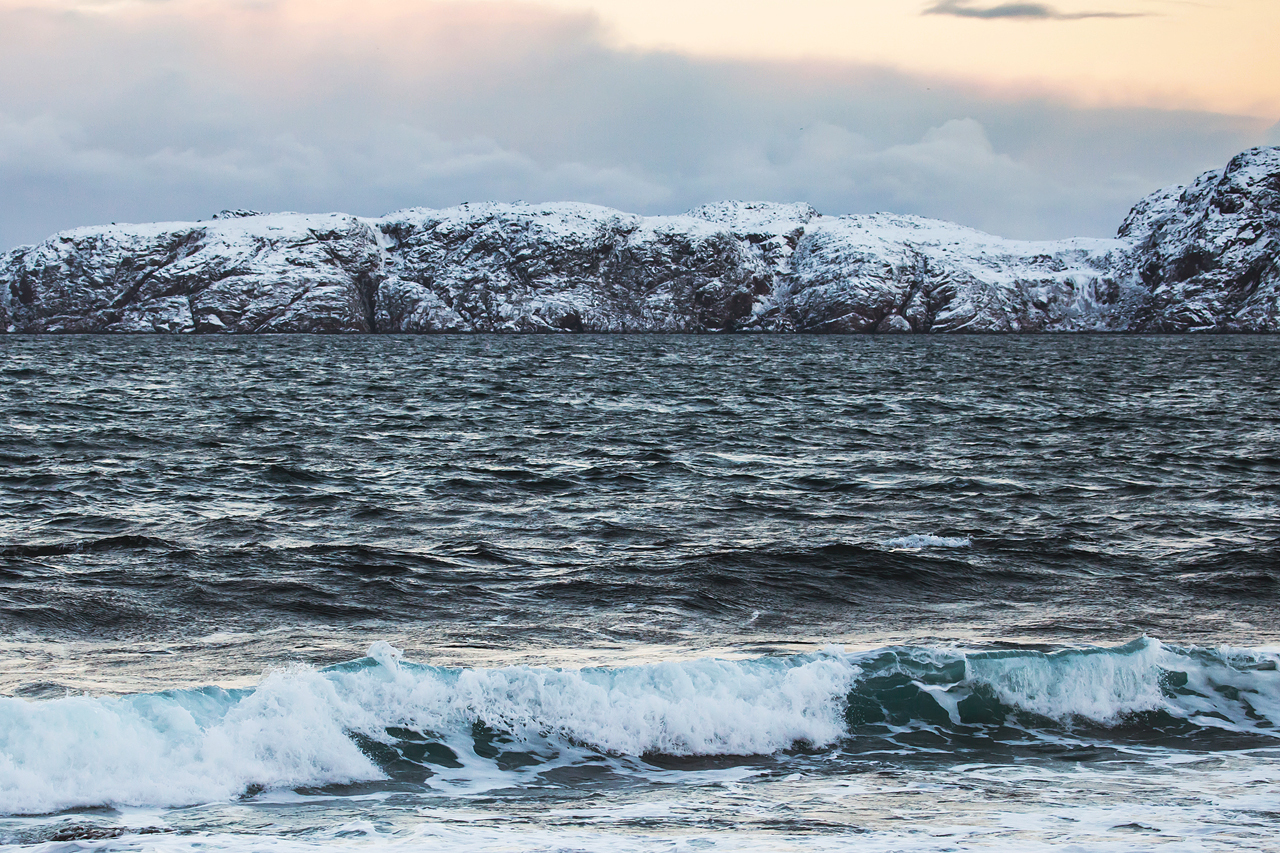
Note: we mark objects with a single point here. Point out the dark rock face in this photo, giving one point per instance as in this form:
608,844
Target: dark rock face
575,267
1204,257
886,273
1208,255
253,274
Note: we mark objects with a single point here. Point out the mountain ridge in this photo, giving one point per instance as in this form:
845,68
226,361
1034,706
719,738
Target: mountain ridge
1199,257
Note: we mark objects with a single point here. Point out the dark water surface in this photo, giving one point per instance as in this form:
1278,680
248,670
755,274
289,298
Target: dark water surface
873,593
571,490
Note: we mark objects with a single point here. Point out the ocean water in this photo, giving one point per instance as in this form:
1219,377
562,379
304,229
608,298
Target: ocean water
639,593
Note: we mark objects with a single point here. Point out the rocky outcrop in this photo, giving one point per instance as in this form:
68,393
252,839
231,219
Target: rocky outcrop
563,267
887,273
283,273
1207,256
1204,257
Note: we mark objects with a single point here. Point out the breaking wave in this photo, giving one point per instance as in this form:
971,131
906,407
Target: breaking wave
918,541
380,718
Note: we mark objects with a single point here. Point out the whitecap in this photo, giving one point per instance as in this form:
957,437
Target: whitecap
919,541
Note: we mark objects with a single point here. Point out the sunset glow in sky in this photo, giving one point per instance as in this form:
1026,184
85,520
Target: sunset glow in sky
1024,118
1171,53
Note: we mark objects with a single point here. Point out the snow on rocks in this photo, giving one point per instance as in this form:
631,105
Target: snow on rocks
886,273
277,273
1207,256
1203,257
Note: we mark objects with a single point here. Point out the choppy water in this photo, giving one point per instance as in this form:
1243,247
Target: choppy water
639,593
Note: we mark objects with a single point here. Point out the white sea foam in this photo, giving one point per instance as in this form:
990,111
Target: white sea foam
1106,685
295,728
704,707
176,748
196,746
918,541
1218,805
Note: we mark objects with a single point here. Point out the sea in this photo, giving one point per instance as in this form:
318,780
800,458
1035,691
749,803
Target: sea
496,593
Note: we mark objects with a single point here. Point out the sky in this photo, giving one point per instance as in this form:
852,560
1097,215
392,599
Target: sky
1026,119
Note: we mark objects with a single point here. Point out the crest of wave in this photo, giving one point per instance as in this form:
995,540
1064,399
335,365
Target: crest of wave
1108,685
293,729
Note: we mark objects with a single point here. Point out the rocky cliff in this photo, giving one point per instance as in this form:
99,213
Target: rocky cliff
1207,256
1202,257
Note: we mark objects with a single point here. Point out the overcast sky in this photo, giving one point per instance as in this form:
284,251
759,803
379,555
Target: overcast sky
1025,119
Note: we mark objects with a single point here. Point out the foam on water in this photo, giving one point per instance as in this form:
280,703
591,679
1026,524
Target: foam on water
293,730
178,747
1109,685
304,728
1227,805
918,541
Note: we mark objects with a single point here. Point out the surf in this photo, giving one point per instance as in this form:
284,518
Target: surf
405,725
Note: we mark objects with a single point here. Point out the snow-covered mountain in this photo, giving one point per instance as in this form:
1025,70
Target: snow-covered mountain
1200,258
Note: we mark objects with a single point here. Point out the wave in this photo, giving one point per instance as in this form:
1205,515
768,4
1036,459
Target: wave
129,542
381,718
917,541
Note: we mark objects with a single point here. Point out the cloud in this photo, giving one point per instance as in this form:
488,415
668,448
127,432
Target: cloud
404,164
951,171
1017,11
166,110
